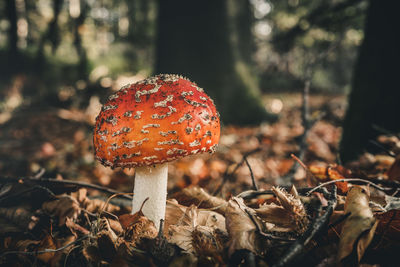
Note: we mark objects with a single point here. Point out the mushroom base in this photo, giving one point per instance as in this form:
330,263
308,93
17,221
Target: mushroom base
151,182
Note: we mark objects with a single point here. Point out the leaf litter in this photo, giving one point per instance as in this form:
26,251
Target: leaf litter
214,215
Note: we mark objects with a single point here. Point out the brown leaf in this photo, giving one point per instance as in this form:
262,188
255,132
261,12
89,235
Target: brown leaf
197,196
94,205
176,214
137,226
359,227
330,173
196,231
241,230
15,219
46,243
74,227
106,243
103,245
389,227
63,207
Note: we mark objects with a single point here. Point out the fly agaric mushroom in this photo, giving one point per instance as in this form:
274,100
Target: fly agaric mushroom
147,124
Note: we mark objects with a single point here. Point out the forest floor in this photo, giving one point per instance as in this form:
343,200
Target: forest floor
52,213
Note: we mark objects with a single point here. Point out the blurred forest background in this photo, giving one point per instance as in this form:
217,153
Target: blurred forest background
68,51
59,59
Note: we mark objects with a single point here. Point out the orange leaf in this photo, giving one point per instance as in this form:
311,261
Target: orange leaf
330,173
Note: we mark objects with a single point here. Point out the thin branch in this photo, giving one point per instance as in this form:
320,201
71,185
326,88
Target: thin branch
227,176
16,195
54,182
49,250
251,174
384,130
339,220
384,149
348,180
252,193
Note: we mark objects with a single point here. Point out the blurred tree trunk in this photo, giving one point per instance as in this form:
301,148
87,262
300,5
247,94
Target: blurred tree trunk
244,24
78,22
11,13
375,97
195,40
52,33
139,21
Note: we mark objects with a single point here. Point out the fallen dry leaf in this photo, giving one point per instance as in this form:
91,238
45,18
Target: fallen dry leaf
15,219
197,196
136,227
242,231
102,244
63,207
177,214
74,227
359,228
330,173
201,232
389,227
94,205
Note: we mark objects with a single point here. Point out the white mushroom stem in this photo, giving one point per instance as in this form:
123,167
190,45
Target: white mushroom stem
151,182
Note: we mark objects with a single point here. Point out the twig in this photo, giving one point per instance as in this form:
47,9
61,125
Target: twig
103,209
348,180
39,173
49,250
227,176
252,194
251,174
384,131
161,230
305,111
54,182
316,227
379,180
17,195
384,149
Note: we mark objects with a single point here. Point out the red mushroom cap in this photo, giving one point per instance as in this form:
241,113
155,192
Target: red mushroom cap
155,120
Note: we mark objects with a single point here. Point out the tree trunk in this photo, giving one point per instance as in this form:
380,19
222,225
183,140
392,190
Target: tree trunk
375,97
11,12
78,22
244,23
194,39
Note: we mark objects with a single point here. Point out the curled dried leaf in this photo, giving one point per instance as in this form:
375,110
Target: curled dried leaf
74,227
137,226
177,214
197,196
359,227
196,231
94,205
241,229
15,219
63,207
